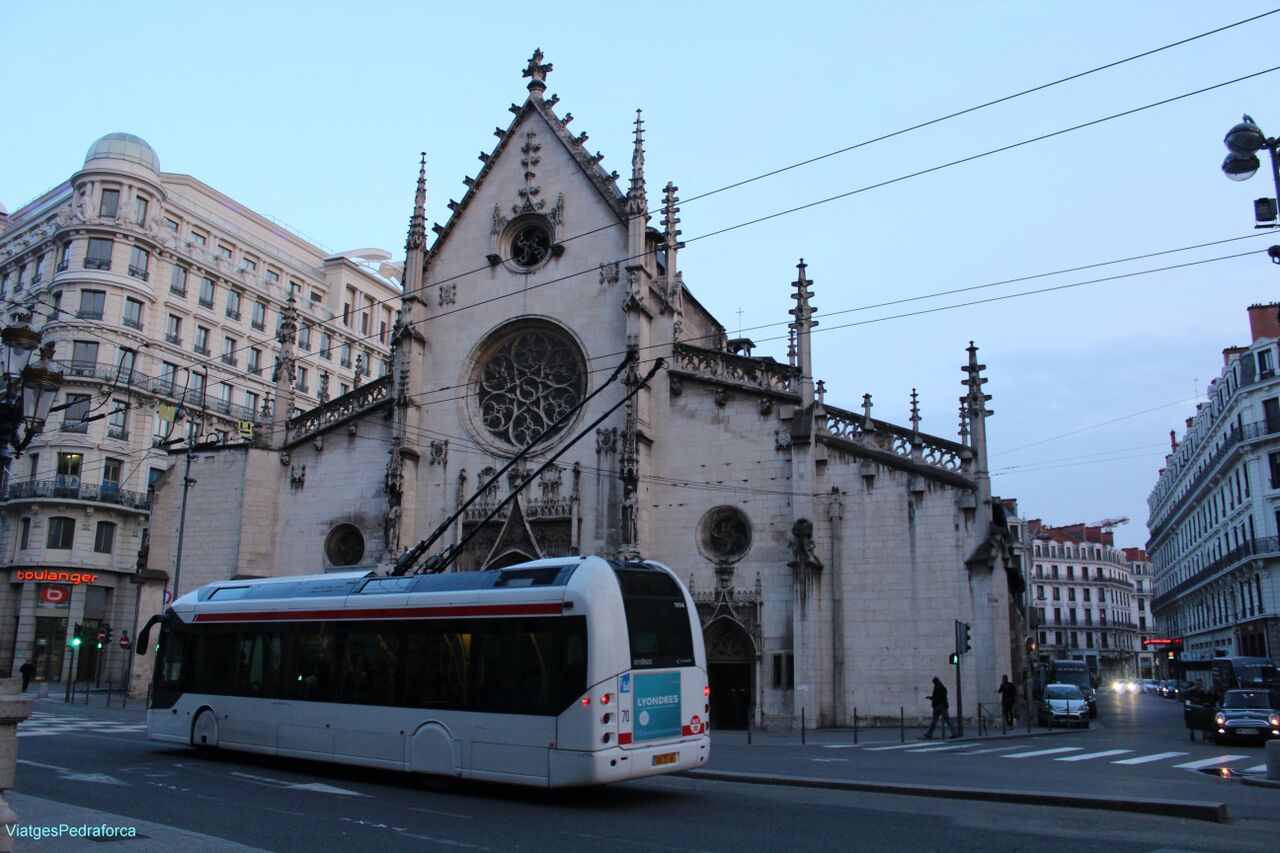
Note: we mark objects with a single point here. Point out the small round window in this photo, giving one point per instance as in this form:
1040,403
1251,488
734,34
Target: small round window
345,545
530,242
725,534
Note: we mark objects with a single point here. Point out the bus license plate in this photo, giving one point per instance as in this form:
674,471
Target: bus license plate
1246,731
665,758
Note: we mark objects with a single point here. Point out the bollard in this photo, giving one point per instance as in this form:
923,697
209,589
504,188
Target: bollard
902,724
802,726
14,708
855,726
1273,760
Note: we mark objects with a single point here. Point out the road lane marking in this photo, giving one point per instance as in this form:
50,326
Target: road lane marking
1146,759
1209,762
318,787
1040,752
1090,755
910,745
840,746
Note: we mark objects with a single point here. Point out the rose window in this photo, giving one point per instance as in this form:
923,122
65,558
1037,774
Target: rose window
530,245
726,534
530,380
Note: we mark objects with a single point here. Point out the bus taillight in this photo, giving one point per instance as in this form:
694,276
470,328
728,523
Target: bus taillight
706,691
606,698
586,700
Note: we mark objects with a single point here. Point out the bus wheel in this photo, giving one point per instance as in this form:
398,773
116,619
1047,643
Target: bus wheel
204,731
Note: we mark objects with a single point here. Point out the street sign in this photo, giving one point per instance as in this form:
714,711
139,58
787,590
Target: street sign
168,597
124,641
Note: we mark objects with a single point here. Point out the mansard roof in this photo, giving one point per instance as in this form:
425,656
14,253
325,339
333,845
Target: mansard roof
604,182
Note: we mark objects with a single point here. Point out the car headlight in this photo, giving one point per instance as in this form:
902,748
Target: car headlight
1275,721
1220,719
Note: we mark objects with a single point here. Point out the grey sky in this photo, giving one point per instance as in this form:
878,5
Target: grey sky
315,113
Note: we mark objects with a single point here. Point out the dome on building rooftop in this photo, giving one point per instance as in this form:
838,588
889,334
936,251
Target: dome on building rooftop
124,146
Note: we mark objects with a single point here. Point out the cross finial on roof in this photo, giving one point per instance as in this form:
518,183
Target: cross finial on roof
538,71
867,423
636,199
915,411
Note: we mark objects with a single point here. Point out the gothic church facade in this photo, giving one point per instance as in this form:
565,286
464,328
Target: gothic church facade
830,553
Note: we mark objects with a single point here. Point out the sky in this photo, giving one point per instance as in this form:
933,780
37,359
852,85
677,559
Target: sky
315,113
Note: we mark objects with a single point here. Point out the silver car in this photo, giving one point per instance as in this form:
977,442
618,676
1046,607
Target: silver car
1063,704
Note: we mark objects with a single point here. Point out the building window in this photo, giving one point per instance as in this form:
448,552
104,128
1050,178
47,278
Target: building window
132,313
77,409
251,401
326,346
104,539
273,277
84,358
98,256
196,391
206,292
168,375
364,323
24,534
202,340
224,398
346,314
171,224
784,671
178,281
1266,366
198,238
302,379
255,361
229,347
92,304
304,338
111,469
224,251
346,355
382,333
40,265
233,304
110,203
259,316
141,218
64,259
250,264
314,296
173,330
62,531
117,425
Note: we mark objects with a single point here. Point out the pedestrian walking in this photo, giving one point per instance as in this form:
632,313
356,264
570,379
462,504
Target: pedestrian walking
27,670
938,698
1008,696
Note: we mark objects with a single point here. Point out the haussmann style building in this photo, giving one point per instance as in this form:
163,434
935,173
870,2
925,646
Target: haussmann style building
161,298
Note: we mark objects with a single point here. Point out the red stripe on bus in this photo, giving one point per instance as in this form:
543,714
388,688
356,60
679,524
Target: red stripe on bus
554,609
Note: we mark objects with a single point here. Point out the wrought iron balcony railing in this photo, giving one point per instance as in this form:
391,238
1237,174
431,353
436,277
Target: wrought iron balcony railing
68,488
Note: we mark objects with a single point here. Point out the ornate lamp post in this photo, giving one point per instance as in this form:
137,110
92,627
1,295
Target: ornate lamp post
29,388
1244,141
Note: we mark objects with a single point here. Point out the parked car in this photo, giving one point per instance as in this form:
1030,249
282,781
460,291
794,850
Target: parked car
1065,704
1150,686
1247,714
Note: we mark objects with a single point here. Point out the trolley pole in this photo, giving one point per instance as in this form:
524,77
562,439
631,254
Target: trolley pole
187,483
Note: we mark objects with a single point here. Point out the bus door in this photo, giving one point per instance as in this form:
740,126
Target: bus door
257,676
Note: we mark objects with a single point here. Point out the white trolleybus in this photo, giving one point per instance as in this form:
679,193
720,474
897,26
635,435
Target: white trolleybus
570,671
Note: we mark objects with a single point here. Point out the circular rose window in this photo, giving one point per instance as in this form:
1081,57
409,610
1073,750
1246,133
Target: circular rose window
725,534
529,378
530,244
344,545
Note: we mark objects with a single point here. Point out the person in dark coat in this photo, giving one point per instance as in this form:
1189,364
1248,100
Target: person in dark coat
1008,696
27,670
938,698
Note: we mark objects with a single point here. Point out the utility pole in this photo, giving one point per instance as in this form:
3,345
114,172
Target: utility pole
187,483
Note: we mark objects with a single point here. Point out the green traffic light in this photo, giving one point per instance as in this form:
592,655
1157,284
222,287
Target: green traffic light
75,642
955,659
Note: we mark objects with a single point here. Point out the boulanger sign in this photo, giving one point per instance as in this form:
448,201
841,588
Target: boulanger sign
55,576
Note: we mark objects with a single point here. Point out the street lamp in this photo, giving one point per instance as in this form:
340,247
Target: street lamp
29,388
1244,141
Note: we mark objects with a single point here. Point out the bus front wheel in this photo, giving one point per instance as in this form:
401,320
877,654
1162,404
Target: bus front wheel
204,731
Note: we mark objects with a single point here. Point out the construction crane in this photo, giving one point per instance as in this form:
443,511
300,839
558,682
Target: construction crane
1109,524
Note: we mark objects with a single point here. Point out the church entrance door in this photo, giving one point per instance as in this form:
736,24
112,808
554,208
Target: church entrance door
730,667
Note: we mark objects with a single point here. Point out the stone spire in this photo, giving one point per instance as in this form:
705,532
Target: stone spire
417,239
537,73
803,325
637,202
915,414
671,236
975,406
282,374
867,424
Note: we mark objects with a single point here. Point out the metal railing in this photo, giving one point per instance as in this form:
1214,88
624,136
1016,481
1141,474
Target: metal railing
1245,551
67,488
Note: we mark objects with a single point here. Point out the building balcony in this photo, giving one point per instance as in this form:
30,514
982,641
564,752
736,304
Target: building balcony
228,358
173,339
132,323
199,350
118,433
74,426
70,488
97,264
259,325
163,386
1261,547
233,314
178,291
138,272
83,314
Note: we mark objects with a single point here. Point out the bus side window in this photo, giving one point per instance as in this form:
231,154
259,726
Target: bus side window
215,664
435,669
259,666
369,666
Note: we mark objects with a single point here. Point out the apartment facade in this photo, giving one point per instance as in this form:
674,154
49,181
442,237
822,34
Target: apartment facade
1215,510
1083,598
162,298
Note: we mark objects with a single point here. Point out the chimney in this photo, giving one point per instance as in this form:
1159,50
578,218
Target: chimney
1263,321
1231,352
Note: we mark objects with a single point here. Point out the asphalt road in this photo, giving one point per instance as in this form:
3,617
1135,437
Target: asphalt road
98,759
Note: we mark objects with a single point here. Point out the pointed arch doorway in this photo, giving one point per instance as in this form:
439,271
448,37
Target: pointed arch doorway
731,664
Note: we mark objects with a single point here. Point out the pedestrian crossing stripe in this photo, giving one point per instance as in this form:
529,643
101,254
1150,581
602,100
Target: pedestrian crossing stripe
1209,762
1089,756
939,748
1147,759
1040,752
43,724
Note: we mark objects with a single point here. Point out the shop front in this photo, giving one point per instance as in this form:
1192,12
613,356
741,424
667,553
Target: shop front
49,604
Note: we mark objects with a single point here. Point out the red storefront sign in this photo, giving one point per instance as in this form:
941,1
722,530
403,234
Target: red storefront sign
55,595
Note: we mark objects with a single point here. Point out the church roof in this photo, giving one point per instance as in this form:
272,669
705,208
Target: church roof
604,182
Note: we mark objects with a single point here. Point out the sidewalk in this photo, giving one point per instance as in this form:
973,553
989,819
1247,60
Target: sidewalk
882,735
50,825
93,697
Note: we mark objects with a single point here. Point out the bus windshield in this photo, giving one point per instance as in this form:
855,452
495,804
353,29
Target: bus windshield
657,619
1256,673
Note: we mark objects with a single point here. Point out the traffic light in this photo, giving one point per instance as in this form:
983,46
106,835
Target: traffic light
108,631
77,637
962,637
1031,645
955,659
